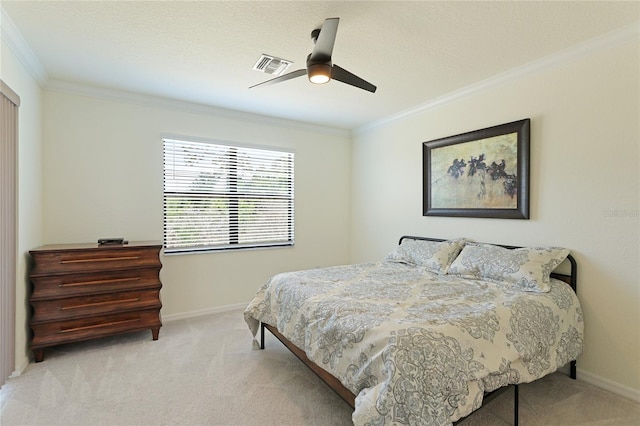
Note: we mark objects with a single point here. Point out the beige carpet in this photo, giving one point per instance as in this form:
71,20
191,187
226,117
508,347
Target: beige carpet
203,371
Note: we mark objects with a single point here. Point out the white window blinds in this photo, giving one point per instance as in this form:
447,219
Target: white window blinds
219,196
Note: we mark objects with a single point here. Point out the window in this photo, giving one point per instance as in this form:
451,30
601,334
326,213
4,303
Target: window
221,196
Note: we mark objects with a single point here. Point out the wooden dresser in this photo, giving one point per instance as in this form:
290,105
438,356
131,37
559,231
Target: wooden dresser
86,291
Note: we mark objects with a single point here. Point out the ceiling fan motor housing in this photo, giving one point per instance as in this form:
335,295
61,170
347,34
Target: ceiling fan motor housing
319,71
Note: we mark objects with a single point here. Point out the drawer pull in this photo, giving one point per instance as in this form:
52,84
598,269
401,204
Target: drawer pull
109,302
100,259
89,327
114,280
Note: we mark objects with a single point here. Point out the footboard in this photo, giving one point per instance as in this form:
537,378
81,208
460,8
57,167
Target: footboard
345,393
325,376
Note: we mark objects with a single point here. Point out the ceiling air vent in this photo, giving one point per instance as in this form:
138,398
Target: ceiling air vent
271,65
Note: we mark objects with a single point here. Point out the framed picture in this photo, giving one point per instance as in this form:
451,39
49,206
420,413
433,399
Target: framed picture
484,173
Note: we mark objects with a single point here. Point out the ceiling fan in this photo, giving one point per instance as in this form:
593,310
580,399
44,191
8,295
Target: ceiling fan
320,69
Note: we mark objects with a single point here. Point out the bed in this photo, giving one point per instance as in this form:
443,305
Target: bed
425,335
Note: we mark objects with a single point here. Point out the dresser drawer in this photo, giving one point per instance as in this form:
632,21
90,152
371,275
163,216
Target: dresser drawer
53,333
46,287
100,259
83,306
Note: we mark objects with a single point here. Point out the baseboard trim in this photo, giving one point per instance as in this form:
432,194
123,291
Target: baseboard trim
610,385
18,371
202,312
585,376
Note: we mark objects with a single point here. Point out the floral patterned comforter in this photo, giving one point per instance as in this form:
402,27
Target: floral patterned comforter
416,347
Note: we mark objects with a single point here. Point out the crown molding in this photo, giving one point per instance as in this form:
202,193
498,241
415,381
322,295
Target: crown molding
156,101
19,46
609,40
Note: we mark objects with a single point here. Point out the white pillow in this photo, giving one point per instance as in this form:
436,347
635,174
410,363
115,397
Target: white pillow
527,268
434,255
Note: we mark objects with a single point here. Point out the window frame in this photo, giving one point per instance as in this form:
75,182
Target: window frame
234,227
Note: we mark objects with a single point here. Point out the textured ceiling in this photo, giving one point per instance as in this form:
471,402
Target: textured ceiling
203,52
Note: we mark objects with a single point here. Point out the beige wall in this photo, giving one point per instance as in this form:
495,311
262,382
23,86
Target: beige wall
103,169
584,190
19,79
102,177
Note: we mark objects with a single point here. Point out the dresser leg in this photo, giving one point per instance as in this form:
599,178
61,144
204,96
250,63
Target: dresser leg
155,332
38,354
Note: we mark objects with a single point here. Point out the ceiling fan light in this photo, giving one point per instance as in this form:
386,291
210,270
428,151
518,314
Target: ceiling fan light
319,78
319,73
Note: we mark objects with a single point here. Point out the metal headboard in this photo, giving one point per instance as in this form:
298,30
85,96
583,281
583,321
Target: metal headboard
571,278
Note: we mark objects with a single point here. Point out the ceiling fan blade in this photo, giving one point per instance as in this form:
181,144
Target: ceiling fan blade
284,77
323,49
345,76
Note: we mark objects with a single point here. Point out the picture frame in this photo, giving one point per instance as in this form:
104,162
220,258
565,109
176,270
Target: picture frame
483,173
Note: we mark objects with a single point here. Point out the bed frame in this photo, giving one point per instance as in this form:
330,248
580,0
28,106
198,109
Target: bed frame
349,397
